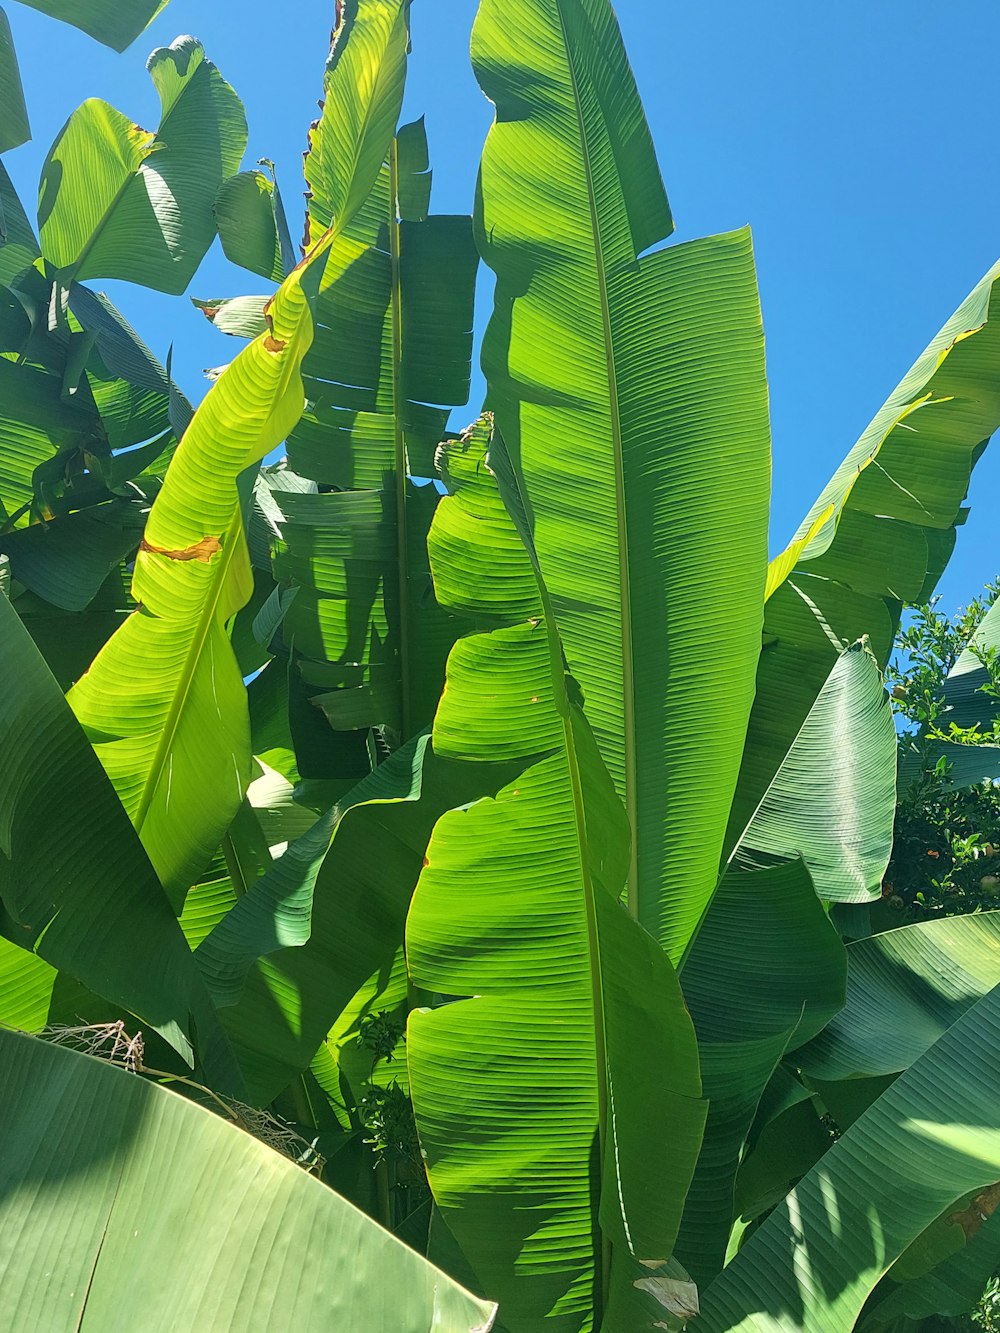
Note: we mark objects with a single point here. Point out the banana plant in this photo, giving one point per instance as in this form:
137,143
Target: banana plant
164,702
518,906
606,884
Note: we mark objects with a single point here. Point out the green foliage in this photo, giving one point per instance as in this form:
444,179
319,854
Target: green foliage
947,836
495,841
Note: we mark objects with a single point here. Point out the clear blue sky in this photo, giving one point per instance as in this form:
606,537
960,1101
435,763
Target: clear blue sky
859,140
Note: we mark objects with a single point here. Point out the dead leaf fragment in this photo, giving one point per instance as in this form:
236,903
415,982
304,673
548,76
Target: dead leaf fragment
203,550
272,344
980,1210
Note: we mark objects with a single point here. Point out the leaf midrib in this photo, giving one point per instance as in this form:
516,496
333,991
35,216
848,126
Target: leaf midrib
191,662
399,441
624,581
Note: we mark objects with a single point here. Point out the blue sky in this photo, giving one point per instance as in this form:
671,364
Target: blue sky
858,140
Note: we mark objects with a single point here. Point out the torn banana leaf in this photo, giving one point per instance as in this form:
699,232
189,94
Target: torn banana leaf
164,703
630,389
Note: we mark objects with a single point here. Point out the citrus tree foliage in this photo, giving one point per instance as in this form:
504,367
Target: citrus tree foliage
947,826
475,810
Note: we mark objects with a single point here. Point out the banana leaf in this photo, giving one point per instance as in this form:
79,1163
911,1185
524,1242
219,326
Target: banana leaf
630,390
164,703
766,972
18,247
905,989
14,127
116,201
329,914
930,1140
252,225
833,799
534,1117
76,887
879,535
149,1211
392,354
971,706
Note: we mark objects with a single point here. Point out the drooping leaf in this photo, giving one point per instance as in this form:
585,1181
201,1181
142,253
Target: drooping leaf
97,1203
116,23
931,1139
252,225
164,703
14,127
239,316
766,972
75,884
905,989
878,536
117,201
532,1112
630,389
833,798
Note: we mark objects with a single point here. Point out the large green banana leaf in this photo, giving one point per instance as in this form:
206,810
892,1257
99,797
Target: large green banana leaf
767,969
143,1210
930,1140
14,127
766,972
116,23
535,1119
164,703
832,800
953,1287
905,989
116,201
878,536
75,884
630,390
392,354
